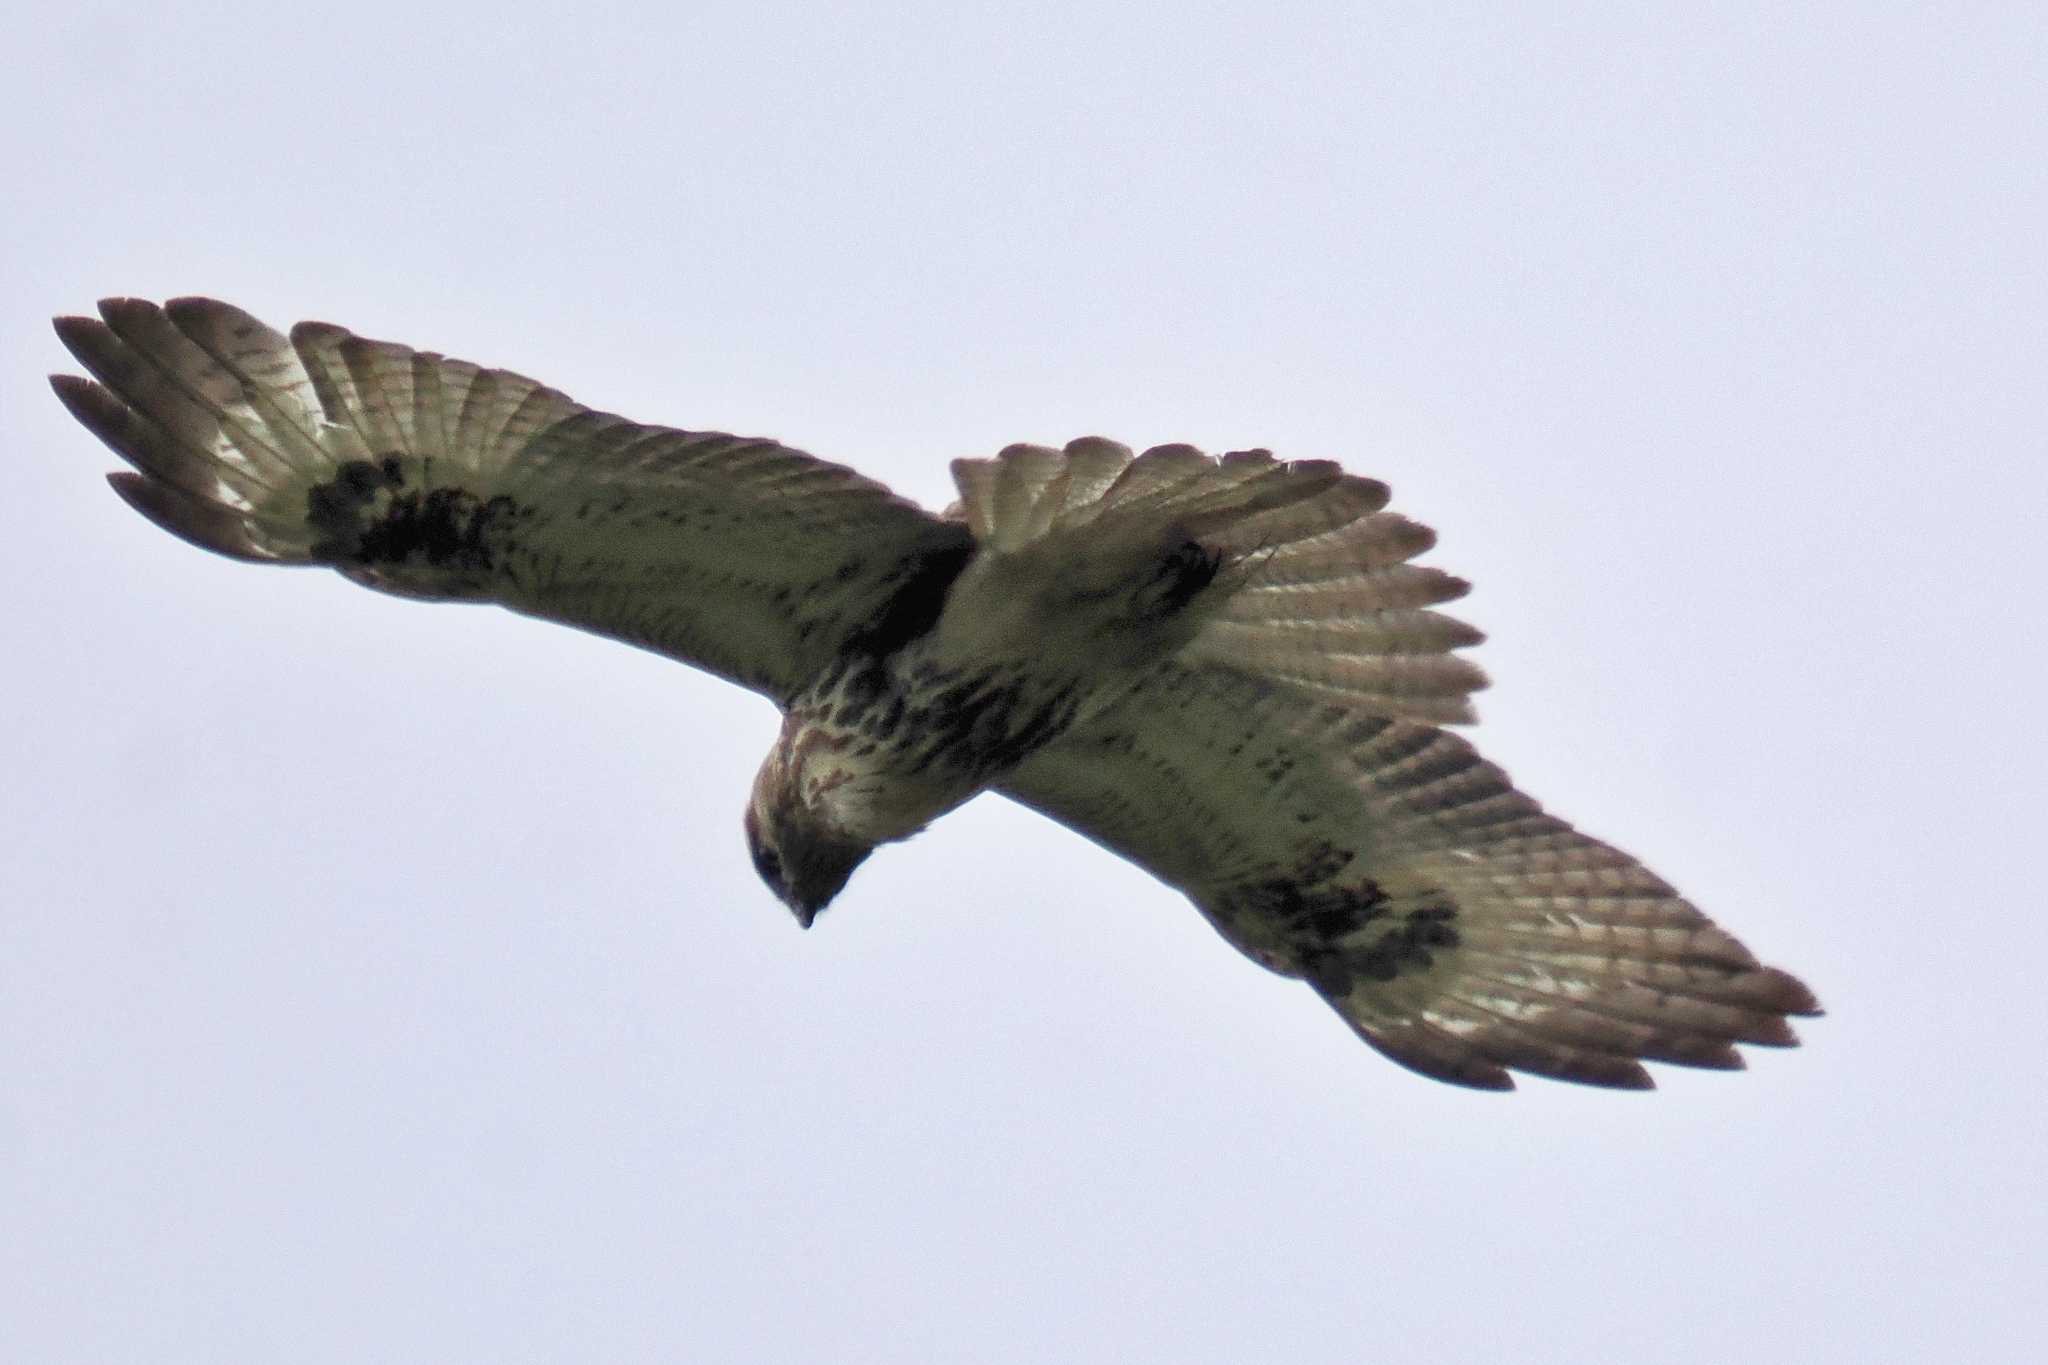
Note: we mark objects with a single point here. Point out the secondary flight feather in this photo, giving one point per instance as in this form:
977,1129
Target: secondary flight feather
1229,670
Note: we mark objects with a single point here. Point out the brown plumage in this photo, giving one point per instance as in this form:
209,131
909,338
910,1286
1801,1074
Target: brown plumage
1229,670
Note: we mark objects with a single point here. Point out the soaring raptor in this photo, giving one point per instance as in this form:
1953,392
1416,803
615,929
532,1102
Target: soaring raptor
1228,670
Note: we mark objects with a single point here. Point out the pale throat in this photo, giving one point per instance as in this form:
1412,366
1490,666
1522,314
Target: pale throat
856,787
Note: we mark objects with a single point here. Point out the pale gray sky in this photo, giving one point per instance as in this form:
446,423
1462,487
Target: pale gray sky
387,982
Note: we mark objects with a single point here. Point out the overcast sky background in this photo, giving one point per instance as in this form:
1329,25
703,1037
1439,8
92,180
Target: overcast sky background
389,982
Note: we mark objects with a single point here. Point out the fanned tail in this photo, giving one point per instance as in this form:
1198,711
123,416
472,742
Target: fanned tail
1313,586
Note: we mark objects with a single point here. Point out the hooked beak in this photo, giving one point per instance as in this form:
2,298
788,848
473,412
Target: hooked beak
821,879
804,908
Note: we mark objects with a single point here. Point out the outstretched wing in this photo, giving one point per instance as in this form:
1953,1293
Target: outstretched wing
1454,925
431,477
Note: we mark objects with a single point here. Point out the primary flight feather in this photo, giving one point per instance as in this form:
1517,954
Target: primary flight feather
1228,670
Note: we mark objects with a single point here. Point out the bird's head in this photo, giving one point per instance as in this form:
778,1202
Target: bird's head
800,851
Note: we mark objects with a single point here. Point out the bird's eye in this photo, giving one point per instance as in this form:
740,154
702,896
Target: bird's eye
769,864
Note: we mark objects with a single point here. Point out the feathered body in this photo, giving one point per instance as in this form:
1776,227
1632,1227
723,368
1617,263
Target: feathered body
1226,669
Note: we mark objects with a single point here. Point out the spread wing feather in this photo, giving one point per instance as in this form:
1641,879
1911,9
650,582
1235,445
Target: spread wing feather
1457,927
432,477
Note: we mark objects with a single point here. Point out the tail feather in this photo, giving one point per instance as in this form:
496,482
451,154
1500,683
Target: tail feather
1160,477
1394,587
1313,590
1294,505
1377,541
1326,625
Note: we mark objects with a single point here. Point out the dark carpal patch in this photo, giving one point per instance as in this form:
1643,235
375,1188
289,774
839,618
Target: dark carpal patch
1326,926
371,516
1320,914
1405,948
336,507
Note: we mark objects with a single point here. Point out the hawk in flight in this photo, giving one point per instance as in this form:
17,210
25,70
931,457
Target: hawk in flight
1229,670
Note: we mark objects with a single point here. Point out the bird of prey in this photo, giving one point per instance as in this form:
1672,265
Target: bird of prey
1229,670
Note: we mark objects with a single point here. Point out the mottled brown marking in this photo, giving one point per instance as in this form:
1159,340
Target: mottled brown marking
370,518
